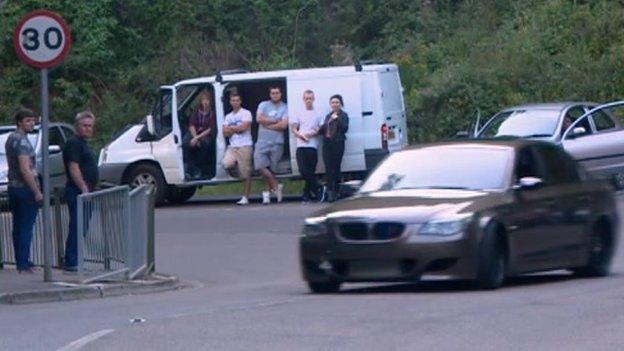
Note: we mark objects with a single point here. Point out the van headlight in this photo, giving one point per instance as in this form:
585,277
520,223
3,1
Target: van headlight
314,226
446,226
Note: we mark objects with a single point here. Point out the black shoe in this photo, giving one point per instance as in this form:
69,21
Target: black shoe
70,268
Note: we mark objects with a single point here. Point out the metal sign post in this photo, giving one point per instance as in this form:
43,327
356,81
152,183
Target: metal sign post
42,40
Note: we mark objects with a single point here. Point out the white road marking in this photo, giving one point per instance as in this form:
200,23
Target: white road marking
80,343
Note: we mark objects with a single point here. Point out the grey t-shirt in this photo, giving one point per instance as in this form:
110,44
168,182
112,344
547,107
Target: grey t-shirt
17,144
275,113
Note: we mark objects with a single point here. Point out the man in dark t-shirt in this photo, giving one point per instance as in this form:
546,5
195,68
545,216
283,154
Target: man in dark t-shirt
82,177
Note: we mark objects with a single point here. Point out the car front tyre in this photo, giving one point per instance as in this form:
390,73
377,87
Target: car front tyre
601,251
492,263
328,287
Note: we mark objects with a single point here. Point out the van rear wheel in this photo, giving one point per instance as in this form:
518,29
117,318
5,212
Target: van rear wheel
147,174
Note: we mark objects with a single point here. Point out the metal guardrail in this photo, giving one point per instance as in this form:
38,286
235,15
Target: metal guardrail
115,233
60,220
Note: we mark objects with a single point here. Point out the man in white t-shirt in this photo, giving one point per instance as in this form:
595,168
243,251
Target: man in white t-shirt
237,126
305,128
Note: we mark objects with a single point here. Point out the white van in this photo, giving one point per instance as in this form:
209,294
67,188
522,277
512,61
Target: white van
372,98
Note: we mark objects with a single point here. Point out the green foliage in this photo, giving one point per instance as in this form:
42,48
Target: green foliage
455,56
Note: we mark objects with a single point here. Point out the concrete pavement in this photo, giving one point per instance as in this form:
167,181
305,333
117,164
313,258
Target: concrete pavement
30,288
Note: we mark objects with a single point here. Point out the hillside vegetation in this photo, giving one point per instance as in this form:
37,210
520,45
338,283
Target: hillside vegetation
454,56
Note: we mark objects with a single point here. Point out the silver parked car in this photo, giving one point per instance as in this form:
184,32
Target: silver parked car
59,134
587,131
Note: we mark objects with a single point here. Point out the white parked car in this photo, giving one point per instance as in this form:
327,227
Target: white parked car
58,135
587,131
372,96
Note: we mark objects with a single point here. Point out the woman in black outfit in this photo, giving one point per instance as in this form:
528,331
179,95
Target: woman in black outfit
334,130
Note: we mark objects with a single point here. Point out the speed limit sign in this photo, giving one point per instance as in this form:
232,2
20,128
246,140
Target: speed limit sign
41,39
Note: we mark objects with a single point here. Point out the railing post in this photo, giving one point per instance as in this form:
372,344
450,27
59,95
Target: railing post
151,259
104,216
58,226
80,232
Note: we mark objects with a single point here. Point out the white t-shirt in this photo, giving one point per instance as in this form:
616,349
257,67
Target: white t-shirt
236,119
309,121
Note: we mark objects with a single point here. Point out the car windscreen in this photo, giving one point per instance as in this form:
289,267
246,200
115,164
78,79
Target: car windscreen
522,123
443,167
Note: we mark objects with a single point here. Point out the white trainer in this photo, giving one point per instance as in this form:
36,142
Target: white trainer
279,193
266,198
243,201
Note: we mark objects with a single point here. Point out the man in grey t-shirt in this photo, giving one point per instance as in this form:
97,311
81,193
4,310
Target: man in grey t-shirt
272,116
24,192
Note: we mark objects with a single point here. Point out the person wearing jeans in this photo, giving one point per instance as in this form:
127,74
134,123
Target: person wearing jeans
82,176
305,128
24,192
334,130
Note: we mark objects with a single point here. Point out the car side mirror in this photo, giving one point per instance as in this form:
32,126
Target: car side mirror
462,135
54,149
528,183
348,189
149,121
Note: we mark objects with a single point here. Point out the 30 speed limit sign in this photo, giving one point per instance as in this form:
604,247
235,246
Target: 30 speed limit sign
41,39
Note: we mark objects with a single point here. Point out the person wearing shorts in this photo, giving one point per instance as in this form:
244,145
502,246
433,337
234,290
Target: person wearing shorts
237,126
272,117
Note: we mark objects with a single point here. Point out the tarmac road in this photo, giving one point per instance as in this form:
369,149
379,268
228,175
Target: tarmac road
247,294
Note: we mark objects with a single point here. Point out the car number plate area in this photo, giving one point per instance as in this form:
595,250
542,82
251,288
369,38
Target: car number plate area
363,269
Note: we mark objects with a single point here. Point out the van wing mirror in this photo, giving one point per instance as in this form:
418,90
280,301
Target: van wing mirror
149,121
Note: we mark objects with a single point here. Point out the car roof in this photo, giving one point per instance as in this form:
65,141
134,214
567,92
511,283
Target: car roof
549,105
38,125
510,143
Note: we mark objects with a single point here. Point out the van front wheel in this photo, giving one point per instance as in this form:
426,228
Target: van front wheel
147,174
178,195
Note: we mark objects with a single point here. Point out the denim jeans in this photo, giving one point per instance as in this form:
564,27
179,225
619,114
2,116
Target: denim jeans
24,209
71,245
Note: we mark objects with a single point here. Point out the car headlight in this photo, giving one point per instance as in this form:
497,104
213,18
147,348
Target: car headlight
314,226
445,226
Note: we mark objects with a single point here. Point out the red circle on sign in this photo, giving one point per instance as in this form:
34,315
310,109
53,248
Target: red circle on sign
39,64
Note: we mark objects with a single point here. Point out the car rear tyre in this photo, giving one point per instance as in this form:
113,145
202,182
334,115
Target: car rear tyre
492,262
601,252
147,174
178,195
324,287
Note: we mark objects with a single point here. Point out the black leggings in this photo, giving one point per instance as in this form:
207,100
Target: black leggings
332,156
307,159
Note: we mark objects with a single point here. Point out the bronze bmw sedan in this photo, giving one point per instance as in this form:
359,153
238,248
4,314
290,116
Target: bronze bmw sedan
478,210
